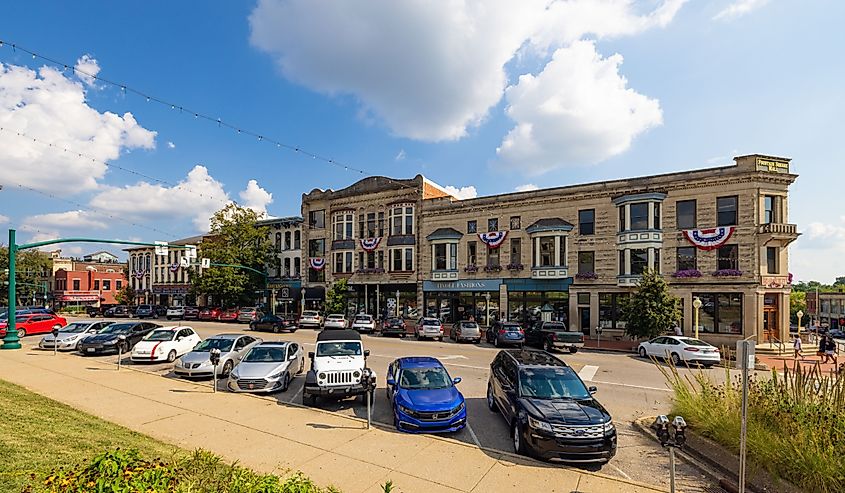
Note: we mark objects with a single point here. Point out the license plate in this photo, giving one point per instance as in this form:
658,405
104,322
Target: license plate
251,386
90,350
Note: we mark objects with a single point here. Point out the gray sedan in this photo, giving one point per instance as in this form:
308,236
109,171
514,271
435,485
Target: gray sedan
71,334
268,367
465,330
232,348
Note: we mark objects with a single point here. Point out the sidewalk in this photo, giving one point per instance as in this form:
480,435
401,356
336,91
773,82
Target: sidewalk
268,436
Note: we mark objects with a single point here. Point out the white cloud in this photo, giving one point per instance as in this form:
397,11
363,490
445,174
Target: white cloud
578,110
4,219
400,156
63,220
819,254
255,197
429,70
51,107
526,188
86,69
171,145
461,193
739,8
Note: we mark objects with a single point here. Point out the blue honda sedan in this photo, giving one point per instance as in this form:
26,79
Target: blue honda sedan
424,396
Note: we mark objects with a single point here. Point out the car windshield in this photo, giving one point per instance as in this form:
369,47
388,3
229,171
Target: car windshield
348,348
266,354
424,378
161,335
366,318
469,325
551,383
144,307
511,328
118,329
75,327
309,314
695,342
224,345
431,321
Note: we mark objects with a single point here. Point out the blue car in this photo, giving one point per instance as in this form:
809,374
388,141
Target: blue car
424,397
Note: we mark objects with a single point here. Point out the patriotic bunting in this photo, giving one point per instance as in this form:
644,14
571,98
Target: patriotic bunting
174,267
493,239
370,244
709,239
317,263
139,273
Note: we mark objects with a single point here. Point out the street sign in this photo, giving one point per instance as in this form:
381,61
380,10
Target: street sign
284,293
205,263
391,303
161,248
190,251
184,262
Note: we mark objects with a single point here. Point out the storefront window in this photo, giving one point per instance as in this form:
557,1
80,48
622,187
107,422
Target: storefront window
720,312
610,310
707,313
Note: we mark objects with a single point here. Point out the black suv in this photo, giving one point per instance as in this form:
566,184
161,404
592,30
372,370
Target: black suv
551,413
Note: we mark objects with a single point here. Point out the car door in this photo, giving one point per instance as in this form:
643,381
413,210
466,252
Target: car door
295,361
391,369
37,324
673,345
187,342
507,402
656,347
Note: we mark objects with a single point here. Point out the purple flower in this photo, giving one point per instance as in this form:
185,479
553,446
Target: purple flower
687,273
728,273
586,275
471,268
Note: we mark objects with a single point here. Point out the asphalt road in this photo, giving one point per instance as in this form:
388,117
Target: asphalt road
629,387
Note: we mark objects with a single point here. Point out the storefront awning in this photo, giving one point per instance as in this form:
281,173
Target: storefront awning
538,284
315,293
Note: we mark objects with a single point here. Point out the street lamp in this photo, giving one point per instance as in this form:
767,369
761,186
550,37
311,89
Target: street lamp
487,319
696,303
800,315
302,301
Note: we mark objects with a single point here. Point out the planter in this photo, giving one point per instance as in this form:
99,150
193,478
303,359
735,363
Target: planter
472,269
688,273
493,268
515,267
586,276
727,273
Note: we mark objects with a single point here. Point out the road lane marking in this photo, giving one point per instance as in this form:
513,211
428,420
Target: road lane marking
472,435
588,372
452,356
633,386
296,394
620,471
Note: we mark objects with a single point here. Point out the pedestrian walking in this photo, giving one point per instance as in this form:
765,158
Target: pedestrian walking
796,345
822,353
830,350
678,330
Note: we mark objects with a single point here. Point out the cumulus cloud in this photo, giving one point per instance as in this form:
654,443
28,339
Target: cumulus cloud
468,192
86,69
171,145
67,220
255,197
739,8
578,110
51,107
526,188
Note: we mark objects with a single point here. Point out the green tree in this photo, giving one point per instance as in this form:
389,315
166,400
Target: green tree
126,295
336,297
234,239
33,268
797,302
651,309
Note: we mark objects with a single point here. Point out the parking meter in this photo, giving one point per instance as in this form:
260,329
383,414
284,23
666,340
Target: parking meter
661,426
55,333
121,341
368,379
214,355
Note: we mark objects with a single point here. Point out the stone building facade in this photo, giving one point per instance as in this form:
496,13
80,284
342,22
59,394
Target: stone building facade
286,268
574,252
161,280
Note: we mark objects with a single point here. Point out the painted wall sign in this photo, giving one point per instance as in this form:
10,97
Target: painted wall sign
463,285
772,165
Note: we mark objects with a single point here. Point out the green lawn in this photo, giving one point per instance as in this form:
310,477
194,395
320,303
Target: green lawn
38,434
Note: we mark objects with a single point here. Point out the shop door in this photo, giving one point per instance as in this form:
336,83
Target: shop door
770,318
584,317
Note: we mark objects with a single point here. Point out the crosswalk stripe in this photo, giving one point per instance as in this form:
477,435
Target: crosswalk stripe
588,372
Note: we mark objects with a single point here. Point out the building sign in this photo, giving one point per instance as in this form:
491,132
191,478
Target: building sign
284,293
170,289
772,165
78,297
775,282
463,285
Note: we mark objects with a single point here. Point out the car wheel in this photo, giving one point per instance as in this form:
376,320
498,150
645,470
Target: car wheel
643,353
396,421
440,339
548,346
709,365
171,356
21,333
169,318
496,342
227,368
275,329
491,403
676,360
293,330
286,382
518,442
573,350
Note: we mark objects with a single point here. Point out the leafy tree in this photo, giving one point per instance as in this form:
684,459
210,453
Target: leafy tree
797,302
336,297
234,239
126,295
651,309
33,267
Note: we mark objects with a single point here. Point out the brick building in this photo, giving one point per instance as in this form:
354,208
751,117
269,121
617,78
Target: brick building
81,282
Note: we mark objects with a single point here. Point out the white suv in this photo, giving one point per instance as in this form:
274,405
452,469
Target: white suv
335,321
429,328
338,367
310,319
175,312
364,323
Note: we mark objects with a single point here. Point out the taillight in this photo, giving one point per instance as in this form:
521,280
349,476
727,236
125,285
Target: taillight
553,337
522,332
502,331
693,349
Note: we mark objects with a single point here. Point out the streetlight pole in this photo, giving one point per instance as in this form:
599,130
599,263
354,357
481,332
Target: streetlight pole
696,304
11,341
487,305
800,315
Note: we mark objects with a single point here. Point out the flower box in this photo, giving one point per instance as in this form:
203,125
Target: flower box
492,268
586,276
727,273
471,268
515,266
687,273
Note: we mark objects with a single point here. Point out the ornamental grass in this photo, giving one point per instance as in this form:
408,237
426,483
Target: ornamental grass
796,421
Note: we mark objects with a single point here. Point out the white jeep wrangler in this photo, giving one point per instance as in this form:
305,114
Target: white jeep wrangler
338,368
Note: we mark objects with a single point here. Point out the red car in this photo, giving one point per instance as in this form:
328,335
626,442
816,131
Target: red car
35,323
209,313
229,315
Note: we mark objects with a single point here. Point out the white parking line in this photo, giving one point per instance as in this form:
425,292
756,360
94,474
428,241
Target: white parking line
472,434
620,471
588,372
633,386
296,394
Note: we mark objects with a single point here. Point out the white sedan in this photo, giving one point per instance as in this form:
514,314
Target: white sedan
681,349
364,323
335,321
165,344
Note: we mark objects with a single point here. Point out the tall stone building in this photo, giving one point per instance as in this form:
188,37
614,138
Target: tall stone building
284,274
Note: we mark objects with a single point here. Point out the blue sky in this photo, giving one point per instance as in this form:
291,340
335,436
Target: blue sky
469,93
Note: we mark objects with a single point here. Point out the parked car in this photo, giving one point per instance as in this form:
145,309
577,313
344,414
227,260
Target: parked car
145,311
267,367
34,323
272,323
554,335
429,327
209,313
165,344
161,310
393,326
27,311
72,334
97,311
364,323
118,311
230,315
424,397
679,349
335,321
197,363
465,330
505,333
248,314
338,367
191,313
550,412
836,333
175,312
108,340
310,319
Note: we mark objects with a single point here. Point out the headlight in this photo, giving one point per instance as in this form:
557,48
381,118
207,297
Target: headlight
609,427
321,376
405,410
538,424
356,374
277,375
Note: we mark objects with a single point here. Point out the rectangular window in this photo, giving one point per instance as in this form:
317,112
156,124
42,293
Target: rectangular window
453,256
639,261
316,275
317,219
472,253
106,285
396,263
348,262
610,310
562,253
440,256
622,262
492,257
381,224
396,221
287,240
75,285
726,208
361,226
586,262
409,259
656,221
287,267
118,284
409,220
720,312
768,209
772,260
297,242
493,224
687,258
639,216
583,298
371,225
657,260
472,226
516,251
728,257
96,284
296,267
685,214
622,218
381,259
316,248
516,222
547,251
338,262
371,260
587,222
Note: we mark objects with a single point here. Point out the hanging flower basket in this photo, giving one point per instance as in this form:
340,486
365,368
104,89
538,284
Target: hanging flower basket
687,273
727,273
515,266
586,276
471,268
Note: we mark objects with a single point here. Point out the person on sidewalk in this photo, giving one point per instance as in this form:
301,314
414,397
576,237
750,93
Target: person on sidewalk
822,353
830,351
796,345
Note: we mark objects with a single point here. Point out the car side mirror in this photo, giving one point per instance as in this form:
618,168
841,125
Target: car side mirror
311,354
456,380
592,389
366,353
292,357
391,382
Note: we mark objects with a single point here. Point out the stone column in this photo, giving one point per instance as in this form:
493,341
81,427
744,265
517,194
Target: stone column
556,260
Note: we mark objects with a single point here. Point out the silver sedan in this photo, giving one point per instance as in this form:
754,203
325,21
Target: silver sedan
268,367
232,348
72,334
